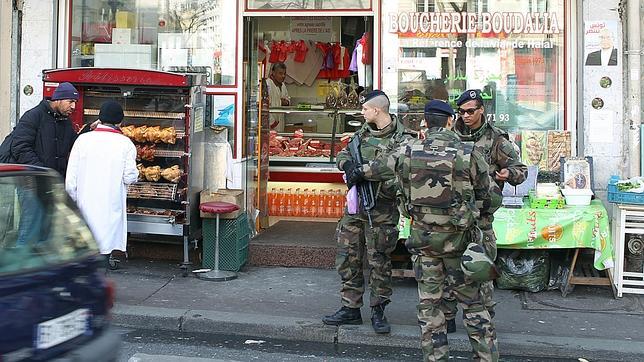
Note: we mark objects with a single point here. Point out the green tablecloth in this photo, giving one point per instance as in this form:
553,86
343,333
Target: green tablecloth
570,227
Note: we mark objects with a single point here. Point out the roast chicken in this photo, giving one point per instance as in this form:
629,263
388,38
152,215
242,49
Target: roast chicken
152,173
172,174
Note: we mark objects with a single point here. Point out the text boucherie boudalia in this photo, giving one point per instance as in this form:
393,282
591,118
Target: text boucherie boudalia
464,22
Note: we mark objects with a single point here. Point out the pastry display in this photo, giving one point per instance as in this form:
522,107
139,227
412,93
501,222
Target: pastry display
558,146
533,148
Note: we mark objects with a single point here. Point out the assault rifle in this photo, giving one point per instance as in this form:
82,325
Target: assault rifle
365,188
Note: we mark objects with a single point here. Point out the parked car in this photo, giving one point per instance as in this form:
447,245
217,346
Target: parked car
54,298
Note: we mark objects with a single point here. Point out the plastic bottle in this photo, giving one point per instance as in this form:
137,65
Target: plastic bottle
313,203
306,203
281,203
337,203
329,202
297,205
322,204
289,202
272,203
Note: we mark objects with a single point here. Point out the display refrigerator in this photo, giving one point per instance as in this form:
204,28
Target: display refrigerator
164,117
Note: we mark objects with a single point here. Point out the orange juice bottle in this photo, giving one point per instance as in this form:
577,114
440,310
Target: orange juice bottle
272,204
281,203
322,204
289,202
337,203
306,203
313,203
330,204
297,205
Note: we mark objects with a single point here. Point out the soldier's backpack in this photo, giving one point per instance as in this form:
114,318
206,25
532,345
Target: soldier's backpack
435,183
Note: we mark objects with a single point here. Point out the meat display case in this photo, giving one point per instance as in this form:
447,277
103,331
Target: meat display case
306,151
164,117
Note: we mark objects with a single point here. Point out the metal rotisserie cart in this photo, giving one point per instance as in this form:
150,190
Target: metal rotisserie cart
164,117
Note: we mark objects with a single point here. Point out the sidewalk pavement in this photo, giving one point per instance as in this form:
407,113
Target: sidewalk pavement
287,303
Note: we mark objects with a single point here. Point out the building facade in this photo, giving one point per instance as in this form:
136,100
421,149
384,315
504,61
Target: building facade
544,67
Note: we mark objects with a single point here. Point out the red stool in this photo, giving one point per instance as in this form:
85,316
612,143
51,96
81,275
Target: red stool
217,208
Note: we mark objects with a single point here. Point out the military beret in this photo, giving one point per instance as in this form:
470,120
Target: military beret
373,94
436,106
469,95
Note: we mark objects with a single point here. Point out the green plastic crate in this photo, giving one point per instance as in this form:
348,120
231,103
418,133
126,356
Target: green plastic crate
543,203
234,236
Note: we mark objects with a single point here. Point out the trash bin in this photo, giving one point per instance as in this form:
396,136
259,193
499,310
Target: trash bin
234,236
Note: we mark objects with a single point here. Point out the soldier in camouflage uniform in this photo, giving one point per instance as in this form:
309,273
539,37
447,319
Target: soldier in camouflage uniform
380,133
444,187
505,165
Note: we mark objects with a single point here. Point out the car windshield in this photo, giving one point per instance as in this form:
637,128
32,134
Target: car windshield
39,224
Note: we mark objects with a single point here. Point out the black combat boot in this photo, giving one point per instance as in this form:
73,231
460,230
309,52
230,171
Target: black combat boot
344,315
378,320
451,325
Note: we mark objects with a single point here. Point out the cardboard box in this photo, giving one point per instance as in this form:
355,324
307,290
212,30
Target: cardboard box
125,19
124,36
233,196
123,56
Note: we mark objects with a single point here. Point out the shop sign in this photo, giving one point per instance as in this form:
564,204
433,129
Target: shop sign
316,28
491,24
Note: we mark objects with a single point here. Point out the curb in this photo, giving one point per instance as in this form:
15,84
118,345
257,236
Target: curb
402,336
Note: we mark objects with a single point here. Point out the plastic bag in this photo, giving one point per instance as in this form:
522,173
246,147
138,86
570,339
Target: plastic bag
352,200
527,270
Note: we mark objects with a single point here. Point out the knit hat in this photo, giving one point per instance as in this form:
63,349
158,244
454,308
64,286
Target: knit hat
111,112
65,91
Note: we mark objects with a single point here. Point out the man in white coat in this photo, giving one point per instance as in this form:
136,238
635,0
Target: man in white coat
101,165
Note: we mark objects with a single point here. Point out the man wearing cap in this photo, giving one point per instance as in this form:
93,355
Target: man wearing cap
356,238
44,135
505,165
443,186
101,165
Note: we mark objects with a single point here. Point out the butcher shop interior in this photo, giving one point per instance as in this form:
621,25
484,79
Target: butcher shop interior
328,63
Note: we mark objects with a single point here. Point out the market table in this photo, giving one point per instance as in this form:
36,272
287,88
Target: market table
572,227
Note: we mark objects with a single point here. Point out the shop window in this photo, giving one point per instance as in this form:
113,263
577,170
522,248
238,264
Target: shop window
156,34
512,50
307,5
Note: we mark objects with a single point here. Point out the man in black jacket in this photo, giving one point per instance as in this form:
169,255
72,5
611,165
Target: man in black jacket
44,135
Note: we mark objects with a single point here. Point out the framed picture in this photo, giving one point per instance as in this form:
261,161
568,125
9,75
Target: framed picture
577,173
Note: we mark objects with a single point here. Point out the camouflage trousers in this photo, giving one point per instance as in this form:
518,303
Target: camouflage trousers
357,241
449,304
434,276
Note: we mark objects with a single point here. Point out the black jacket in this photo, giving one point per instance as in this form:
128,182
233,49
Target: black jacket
43,138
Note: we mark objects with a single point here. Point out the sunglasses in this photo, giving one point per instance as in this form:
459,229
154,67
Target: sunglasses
469,111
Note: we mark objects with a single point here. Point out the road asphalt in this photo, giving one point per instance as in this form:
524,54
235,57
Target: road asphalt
288,303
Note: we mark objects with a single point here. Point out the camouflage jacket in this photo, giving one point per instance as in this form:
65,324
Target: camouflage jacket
499,152
433,231
375,144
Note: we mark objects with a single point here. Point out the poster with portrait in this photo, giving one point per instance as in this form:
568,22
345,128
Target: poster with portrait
602,85
601,44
